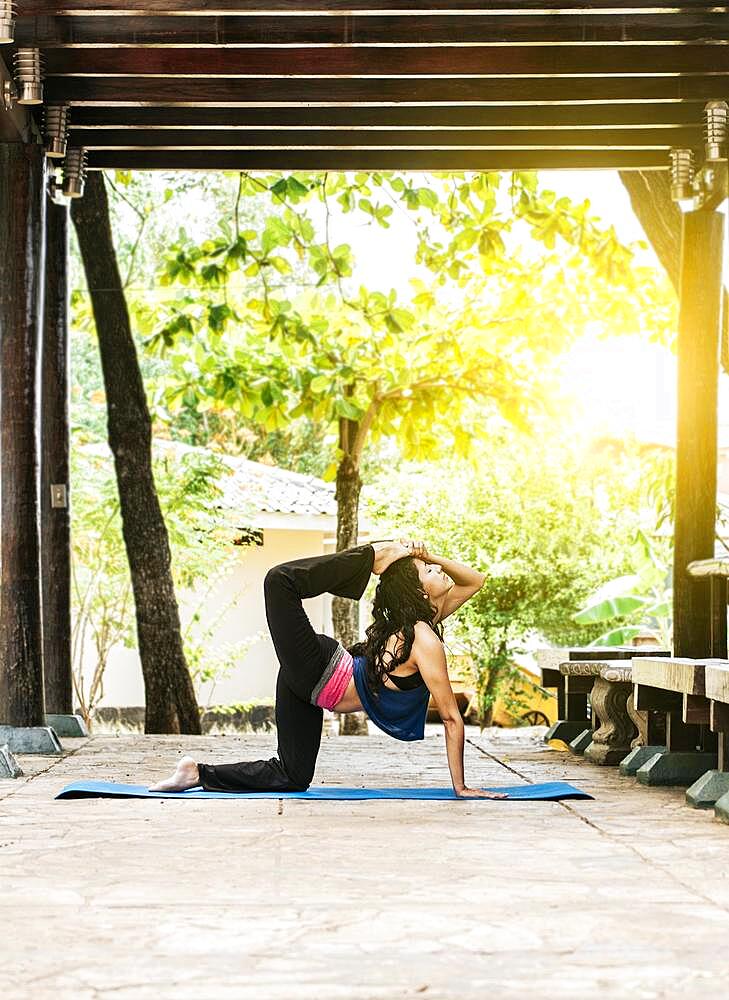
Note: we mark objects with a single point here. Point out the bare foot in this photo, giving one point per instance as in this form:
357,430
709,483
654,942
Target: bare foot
186,776
386,553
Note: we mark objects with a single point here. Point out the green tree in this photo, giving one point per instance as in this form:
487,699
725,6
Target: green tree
527,514
270,323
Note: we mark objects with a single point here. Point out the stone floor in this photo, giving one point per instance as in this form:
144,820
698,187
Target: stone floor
626,895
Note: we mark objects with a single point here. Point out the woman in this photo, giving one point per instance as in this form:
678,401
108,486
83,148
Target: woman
391,675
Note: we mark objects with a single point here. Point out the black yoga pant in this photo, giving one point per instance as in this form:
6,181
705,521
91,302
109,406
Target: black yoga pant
303,656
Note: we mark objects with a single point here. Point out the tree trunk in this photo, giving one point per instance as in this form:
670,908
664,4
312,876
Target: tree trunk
660,217
497,665
171,706
345,612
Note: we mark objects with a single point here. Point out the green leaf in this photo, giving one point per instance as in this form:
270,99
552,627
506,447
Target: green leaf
346,408
617,607
618,636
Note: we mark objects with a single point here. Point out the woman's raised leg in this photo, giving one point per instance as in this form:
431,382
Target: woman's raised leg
303,653
303,656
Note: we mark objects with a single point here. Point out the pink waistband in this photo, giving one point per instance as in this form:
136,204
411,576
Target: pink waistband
333,691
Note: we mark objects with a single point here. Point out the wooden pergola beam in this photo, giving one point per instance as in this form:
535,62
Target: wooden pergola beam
370,8
482,61
573,116
379,159
454,139
590,28
257,91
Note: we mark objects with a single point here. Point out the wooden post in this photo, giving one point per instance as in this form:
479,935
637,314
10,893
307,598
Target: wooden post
54,480
22,235
698,372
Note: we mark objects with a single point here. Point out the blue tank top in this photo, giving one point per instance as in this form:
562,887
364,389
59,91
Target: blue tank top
398,713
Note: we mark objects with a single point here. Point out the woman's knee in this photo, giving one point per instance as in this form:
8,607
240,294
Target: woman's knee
299,770
274,578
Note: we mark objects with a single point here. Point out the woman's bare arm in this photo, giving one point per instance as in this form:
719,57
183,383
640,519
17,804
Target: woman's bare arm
429,655
467,581
462,576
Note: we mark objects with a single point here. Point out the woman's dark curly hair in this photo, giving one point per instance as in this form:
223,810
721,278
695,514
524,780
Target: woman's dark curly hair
399,603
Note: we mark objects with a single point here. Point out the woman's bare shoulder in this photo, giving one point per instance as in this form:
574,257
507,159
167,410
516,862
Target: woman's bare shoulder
424,634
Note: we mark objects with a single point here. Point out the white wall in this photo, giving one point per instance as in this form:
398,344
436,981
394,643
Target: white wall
256,676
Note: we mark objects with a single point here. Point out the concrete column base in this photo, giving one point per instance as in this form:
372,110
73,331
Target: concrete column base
67,725
707,789
30,739
675,767
581,742
637,757
565,731
603,753
9,767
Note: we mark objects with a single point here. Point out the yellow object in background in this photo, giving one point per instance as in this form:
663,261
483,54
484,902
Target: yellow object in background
558,745
537,705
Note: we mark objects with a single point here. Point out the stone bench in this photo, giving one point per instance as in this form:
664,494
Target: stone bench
574,726
578,680
713,787
675,688
617,729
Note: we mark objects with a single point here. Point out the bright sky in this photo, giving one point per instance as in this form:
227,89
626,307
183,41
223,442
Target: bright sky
625,383
618,386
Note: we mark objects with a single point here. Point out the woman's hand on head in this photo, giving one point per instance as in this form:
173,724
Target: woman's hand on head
415,548
479,793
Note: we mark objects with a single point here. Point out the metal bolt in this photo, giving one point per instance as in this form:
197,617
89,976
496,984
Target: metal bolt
716,129
56,129
7,21
28,76
683,172
74,172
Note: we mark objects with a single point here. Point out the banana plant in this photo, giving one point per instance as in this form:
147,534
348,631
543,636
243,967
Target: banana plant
640,603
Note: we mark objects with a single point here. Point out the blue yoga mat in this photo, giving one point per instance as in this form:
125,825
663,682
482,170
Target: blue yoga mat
107,789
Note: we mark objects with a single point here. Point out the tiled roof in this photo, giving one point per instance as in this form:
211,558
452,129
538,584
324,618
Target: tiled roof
267,487
264,487
270,488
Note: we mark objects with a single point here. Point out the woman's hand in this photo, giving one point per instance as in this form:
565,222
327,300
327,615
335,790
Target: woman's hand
479,793
416,548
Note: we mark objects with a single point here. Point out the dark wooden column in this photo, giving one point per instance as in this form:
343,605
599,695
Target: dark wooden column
22,237
55,532
698,373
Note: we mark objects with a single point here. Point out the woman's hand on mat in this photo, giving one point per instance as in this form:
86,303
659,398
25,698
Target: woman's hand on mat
479,793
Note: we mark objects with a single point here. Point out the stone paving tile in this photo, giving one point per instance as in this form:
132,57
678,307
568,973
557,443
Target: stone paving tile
626,895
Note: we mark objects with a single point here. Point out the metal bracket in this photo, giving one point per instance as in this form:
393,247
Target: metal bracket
713,184
10,95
